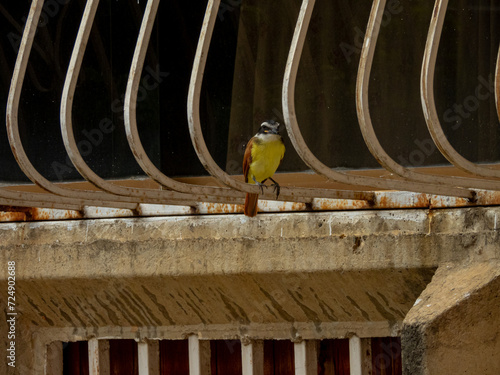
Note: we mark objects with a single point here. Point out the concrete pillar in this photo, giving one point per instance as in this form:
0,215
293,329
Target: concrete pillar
454,326
54,359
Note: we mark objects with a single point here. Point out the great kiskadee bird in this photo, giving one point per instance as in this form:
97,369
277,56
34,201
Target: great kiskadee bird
262,157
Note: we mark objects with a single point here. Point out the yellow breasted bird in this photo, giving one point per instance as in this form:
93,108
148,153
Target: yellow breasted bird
263,155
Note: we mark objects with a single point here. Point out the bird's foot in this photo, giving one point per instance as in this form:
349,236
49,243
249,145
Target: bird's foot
276,187
260,185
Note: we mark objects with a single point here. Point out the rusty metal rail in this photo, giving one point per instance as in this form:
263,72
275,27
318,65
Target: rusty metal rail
401,188
295,194
497,84
76,197
409,184
120,192
443,184
131,120
431,117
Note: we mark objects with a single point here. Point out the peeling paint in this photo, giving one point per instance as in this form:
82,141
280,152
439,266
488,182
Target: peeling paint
15,213
384,200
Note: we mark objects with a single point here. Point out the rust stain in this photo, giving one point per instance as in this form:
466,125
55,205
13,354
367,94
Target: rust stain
340,204
97,212
414,201
222,208
15,213
8,208
435,13
488,198
423,201
48,214
358,204
12,216
293,207
443,202
383,200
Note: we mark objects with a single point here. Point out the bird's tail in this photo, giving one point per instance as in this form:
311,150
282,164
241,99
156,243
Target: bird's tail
251,204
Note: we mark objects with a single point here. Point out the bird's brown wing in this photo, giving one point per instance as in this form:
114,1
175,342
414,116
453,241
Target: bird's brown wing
283,153
247,159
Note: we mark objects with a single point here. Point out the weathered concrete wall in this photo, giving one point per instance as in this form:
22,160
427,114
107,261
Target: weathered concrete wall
454,328
308,275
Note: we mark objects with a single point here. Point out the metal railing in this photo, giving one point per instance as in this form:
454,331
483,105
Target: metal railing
400,187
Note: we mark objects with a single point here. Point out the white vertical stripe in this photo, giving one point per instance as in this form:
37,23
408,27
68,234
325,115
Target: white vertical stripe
306,357
252,358
148,354
199,356
98,357
360,356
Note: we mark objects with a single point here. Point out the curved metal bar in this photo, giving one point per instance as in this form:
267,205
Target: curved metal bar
298,141
144,195
497,84
199,142
429,106
366,126
78,197
131,117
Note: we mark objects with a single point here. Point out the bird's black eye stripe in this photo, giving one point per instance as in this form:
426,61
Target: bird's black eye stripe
267,127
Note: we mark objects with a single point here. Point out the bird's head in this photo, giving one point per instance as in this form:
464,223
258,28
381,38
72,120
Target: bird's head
269,127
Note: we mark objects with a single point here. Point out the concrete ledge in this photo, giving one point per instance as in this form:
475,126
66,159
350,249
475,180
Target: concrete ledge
224,244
